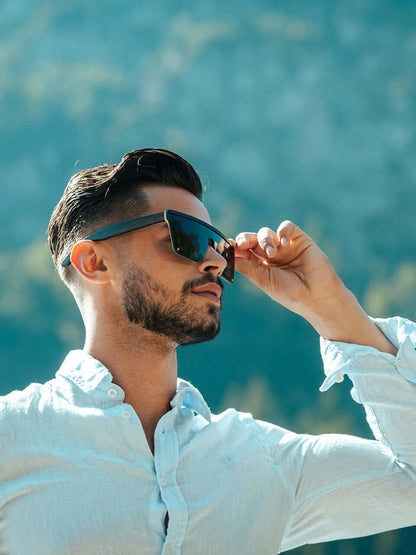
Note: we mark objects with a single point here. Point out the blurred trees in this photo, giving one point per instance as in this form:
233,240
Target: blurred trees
38,317
300,110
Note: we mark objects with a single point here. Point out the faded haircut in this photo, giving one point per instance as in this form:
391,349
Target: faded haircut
104,195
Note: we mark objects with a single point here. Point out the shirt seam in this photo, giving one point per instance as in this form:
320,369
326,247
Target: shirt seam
275,466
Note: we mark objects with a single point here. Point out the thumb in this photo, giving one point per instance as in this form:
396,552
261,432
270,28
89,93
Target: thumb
252,268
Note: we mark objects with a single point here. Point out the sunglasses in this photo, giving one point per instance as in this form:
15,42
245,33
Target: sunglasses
190,237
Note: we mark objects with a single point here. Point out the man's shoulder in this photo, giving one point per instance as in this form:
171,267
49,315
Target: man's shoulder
272,438
234,421
21,400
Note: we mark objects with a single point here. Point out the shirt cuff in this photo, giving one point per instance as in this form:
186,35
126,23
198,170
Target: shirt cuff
344,358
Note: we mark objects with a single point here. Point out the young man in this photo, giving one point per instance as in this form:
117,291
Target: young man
116,455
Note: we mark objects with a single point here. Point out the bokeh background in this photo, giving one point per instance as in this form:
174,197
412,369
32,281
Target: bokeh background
301,110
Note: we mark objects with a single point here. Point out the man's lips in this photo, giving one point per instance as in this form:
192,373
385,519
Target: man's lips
211,291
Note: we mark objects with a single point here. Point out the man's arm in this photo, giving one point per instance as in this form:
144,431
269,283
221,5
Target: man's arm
345,486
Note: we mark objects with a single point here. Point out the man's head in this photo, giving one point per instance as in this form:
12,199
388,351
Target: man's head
137,275
107,194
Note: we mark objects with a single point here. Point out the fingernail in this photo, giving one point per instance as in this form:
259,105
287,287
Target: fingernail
284,241
269,250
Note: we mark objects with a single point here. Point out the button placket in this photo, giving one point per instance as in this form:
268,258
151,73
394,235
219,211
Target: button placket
166,459
163,453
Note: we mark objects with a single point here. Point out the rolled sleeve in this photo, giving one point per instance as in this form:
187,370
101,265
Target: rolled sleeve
385,384
345,358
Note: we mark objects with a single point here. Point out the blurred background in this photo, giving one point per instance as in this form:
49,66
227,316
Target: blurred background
301,110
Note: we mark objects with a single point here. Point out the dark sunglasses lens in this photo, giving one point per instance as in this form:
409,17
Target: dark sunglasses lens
187,239
191,239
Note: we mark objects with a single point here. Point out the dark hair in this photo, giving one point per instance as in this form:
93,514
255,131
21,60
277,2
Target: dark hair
100,196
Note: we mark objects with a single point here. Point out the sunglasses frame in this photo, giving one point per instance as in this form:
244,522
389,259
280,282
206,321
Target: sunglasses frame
145,221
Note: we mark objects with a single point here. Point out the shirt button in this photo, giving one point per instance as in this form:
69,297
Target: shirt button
400,362
164,483
339,378
168,550
126,414
112,392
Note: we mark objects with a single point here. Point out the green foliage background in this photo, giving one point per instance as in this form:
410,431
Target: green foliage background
301,110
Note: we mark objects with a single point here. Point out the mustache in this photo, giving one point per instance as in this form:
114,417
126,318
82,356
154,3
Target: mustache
208,278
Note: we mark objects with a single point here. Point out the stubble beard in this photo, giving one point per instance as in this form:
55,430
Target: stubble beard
150,304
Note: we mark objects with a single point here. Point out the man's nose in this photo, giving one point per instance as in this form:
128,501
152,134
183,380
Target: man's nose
213,263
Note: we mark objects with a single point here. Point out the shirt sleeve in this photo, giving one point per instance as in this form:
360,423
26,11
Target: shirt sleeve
350,487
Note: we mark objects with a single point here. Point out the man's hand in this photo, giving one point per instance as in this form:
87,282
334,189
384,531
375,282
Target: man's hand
292,269
289,267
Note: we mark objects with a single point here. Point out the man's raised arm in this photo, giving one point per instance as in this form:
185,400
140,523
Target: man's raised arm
344,486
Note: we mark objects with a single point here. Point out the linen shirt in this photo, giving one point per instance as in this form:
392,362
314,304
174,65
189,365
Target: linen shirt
77,475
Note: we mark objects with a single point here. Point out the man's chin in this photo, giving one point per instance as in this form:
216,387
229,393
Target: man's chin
200,335
185,322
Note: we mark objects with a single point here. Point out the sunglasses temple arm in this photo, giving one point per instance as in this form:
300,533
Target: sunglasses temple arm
125,227
119,228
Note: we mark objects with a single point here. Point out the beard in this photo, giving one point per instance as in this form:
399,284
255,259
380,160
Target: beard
149,303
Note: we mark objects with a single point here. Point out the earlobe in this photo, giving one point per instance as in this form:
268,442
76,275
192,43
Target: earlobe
88,261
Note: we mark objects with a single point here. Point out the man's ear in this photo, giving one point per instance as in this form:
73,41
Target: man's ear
88,259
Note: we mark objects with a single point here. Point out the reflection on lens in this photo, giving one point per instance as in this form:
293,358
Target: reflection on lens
191,239
186,238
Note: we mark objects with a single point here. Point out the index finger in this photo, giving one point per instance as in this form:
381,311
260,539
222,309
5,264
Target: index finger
246,240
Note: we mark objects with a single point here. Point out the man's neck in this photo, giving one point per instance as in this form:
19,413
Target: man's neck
145,367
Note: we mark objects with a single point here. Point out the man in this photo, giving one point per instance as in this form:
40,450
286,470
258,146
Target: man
116,455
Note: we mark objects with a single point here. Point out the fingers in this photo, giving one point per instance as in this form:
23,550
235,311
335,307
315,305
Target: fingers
285,232
265,243
267,240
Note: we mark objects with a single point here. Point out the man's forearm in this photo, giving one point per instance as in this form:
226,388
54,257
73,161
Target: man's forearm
341,318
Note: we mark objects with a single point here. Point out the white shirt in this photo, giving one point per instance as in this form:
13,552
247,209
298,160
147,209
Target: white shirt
77,475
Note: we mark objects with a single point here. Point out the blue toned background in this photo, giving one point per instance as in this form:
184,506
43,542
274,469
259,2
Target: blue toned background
288,110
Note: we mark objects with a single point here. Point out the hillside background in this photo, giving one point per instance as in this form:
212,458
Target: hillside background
301,110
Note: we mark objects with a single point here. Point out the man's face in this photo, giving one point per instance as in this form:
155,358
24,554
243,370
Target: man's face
162,291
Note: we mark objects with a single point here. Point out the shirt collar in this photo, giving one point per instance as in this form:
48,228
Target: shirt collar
189,396
91,376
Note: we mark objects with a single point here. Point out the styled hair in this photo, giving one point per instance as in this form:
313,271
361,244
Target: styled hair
104,195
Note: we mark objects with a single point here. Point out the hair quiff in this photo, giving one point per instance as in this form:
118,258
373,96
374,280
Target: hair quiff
103,195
